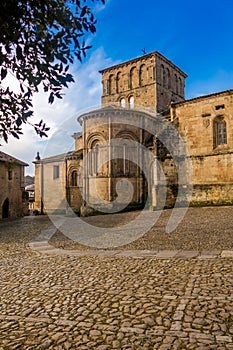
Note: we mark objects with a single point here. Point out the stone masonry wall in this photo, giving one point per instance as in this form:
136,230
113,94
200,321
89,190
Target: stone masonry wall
212,162
150,81
12,188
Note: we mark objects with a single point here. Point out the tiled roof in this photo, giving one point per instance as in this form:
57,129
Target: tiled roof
56,158
198,98
4,157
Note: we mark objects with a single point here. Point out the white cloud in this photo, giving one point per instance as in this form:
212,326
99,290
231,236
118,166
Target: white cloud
61,116
100,6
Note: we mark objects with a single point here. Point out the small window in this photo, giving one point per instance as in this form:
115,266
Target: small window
220,132
204,115
118,82
168,79
110,84
56,171
131,102
142,75
74,178
219,107
122,102
9,174
176,84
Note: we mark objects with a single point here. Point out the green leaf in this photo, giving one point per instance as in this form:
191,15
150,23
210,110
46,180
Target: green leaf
19,53
3,73
18,121
84,11
15,134
51,98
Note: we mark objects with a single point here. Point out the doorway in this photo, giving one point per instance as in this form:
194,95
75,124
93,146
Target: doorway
5,209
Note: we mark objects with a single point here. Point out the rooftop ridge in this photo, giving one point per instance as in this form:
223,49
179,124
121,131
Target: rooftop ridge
229,92
153,53
4,157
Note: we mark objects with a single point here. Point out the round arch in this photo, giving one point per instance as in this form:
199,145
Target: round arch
94,138
5,208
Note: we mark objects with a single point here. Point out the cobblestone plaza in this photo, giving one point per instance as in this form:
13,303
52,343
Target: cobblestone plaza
179,298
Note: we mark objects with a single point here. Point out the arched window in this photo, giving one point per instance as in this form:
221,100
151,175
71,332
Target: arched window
219,131
118,82
122,103
142,75
180,87
106,86
74,178
163,76
131,102
133,78
176,84
179,90
168,79
94,159
110,82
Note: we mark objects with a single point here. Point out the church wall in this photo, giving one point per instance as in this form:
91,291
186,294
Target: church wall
50,186
212,162
78,144
170,82
75,183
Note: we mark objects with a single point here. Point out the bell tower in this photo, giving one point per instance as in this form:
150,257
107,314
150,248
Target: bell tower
150,81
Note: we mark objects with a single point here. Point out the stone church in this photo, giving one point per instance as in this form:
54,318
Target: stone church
134,140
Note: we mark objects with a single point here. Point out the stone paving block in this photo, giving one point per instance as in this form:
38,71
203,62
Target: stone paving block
187,254
166,254
208,254
136,253
227,254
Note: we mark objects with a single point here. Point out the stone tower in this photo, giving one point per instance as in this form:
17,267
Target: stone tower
150,81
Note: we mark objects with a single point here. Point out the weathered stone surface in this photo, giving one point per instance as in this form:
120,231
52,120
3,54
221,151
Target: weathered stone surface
91,302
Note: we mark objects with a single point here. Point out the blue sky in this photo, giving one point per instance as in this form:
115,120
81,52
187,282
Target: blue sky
195,35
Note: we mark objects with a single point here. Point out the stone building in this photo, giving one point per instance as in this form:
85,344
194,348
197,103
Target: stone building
143,108
12,204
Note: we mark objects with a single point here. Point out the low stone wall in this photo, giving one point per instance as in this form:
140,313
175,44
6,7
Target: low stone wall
212,194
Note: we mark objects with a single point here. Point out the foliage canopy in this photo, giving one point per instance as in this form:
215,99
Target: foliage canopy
38,41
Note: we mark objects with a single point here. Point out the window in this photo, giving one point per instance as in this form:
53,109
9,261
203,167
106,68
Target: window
168,79
56,171
219,107
74,178
118,82
133,78
180,87
122,102
176,84
220,132
163,75
9,174
142,75
131,102
110,86
94,159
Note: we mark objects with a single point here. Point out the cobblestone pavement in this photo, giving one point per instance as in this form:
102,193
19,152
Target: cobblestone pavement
209,228
90,302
